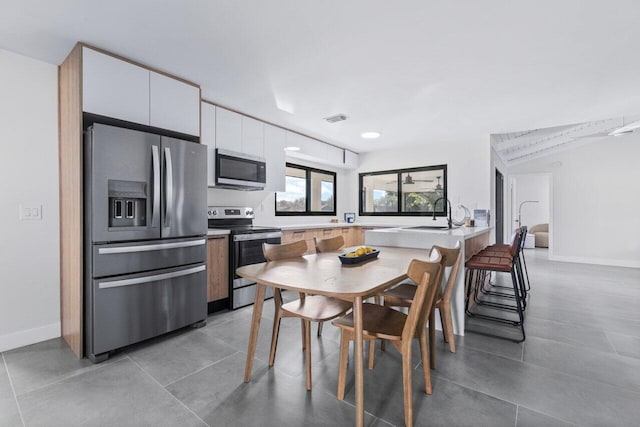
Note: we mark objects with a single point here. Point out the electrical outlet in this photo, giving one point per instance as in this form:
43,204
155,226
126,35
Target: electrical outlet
30,212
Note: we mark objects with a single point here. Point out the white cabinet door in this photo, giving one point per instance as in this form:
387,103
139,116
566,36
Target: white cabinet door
351,159
208,138
228,130
114,88
252,137
274,143
174,105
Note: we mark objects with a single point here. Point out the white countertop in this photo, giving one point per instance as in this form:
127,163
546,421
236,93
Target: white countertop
331,225
217,232
461,232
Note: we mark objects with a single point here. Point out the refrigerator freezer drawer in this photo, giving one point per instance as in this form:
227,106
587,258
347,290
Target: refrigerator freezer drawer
133,257
132,308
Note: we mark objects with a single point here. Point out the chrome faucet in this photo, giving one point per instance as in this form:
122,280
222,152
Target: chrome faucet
449,221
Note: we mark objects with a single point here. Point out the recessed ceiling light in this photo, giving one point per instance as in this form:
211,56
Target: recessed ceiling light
291,148
370,135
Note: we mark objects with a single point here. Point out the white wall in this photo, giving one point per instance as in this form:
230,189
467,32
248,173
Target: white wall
29,253
531,187
467,181
263,202
595,201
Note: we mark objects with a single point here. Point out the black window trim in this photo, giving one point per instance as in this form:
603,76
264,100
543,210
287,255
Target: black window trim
308,211
399,173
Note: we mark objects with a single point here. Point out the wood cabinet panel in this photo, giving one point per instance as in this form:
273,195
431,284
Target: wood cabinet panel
217,268
208,138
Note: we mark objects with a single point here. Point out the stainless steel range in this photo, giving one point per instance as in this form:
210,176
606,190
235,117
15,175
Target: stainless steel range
245,248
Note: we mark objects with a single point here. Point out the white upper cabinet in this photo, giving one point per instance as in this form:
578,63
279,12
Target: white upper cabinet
274,143
121,90
114,88
228,130
252,137
174,104
351,160
208,137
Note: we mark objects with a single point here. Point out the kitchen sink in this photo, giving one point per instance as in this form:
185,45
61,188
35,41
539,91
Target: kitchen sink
429,227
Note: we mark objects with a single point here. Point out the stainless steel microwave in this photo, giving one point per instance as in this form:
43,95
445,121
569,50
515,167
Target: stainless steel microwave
240,171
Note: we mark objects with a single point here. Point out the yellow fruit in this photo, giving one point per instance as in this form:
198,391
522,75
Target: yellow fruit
368,249
351,255
360,251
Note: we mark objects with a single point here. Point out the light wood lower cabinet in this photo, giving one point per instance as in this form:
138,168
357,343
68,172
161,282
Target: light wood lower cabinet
352,236
217,268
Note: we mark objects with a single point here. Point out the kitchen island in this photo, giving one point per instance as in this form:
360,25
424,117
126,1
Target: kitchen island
473,239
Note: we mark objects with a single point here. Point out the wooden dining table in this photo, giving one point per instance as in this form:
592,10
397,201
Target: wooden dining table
324,274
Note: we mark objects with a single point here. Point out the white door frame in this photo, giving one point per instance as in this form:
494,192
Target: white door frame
513,209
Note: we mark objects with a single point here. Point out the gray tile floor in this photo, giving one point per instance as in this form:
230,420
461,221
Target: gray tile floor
580,365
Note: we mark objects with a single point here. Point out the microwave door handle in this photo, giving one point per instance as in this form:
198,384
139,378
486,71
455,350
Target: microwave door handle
155,161
168,188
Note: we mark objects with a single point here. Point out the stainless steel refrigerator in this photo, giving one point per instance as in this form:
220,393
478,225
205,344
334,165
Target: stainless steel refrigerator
145,237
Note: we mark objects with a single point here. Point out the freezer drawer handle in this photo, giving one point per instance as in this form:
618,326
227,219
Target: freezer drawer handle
147,248
147,279
155,156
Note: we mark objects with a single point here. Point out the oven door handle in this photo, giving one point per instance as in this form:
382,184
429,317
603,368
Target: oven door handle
257,236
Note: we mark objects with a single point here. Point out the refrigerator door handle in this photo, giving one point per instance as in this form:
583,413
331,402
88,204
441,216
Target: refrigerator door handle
154,278
155,157
168,187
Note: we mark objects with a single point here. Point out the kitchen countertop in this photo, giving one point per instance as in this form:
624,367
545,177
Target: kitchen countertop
217,232
463,233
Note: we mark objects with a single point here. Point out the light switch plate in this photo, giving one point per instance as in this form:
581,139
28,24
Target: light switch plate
30,212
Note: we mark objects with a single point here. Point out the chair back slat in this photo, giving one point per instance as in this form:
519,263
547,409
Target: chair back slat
330,244
275,252
452,258
427,275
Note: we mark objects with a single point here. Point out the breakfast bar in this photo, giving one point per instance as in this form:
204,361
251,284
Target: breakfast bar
473,240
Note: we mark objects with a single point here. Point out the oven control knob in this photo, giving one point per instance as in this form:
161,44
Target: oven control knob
249,212
212,212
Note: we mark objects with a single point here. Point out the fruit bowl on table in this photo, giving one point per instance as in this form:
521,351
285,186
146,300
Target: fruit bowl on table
348,259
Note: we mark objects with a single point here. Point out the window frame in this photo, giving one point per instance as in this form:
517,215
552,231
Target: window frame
308,212
399,172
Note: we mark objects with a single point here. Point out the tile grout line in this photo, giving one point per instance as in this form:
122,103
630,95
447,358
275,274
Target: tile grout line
517,411
198,370
167,391
83,371
611,344
345,402
522,352
504,400
13,390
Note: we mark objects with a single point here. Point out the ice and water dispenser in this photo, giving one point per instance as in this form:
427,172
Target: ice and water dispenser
127,203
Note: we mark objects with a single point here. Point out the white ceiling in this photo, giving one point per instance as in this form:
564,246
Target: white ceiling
416,70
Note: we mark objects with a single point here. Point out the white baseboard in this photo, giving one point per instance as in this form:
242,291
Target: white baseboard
598,261
29,336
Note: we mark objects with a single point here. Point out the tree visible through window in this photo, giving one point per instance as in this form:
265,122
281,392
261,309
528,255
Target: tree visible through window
412,191
308,192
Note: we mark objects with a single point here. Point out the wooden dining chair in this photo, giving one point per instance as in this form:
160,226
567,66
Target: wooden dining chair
403,294
308,307
380,322
330,244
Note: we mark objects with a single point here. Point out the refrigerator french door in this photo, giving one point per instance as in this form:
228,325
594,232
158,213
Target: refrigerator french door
145,237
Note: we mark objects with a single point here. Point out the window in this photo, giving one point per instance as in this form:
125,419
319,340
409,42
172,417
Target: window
308,192
404,192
